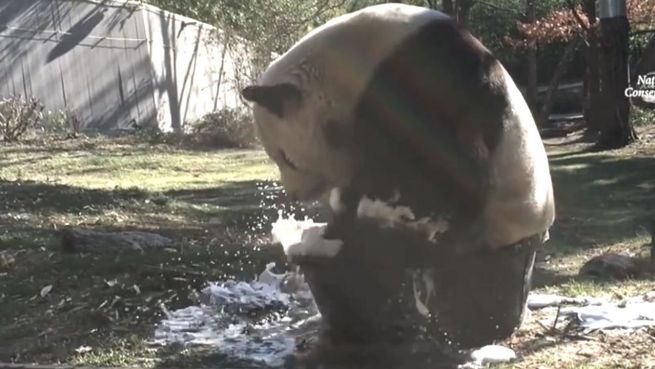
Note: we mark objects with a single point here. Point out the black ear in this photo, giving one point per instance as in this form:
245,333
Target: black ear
278,99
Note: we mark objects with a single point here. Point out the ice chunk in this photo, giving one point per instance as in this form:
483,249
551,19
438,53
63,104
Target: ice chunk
304,238
493,354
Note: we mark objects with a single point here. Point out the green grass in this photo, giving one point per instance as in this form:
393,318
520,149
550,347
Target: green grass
210,203
604,203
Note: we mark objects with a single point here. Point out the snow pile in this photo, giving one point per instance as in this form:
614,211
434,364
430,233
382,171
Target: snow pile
602,313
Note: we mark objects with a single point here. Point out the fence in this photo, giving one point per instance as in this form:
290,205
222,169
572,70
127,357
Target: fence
116,64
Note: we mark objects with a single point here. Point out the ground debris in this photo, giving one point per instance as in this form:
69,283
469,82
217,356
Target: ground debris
84,240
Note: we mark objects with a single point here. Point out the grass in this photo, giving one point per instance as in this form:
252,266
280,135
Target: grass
217,205
212,203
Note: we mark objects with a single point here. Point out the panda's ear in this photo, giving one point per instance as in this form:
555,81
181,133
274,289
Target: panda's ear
279,99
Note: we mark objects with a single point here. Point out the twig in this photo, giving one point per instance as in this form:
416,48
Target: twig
496,7
174,271
559,307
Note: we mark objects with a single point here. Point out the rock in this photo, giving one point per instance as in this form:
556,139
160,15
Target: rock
7,261
610,266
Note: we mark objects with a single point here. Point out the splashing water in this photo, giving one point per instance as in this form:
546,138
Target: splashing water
261,321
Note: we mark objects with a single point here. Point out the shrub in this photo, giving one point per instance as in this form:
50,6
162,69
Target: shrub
227,128
642,116
17,115
60,122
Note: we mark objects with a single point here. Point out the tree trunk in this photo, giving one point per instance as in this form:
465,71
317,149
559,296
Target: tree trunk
463,8
532,61
458,9
592,106
615,128
448,7
567,57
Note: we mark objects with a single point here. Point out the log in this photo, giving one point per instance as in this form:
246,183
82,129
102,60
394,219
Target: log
84,240
611,266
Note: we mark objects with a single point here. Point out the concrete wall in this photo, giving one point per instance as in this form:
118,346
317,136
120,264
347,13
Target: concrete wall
115,63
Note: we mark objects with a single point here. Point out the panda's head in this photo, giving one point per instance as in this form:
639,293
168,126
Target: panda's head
305,99
305,135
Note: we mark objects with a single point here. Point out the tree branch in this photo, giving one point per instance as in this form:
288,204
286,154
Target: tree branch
577,16
494,6
642,31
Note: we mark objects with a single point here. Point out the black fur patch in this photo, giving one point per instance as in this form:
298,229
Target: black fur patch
428,122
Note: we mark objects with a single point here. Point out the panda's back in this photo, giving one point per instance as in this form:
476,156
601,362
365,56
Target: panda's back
368,36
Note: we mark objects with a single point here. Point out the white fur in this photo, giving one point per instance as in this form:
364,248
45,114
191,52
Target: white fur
333,65
367,36
521,202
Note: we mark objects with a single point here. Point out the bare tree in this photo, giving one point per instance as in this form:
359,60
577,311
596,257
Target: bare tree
531,59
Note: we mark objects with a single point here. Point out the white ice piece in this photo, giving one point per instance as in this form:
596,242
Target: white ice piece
378,209
540,301
304,238
493,354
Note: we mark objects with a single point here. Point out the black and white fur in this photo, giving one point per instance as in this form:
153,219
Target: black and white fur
397,107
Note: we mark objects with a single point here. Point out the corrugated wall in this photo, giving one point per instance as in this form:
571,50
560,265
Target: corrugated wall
116,64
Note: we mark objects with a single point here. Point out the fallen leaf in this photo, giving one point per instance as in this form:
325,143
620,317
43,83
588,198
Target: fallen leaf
111,283
83,349
46,290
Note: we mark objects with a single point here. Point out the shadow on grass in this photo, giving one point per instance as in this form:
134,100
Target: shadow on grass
601,199
230,199
546,277
105,300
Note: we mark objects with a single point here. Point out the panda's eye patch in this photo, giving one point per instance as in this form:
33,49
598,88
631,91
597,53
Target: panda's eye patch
285,159
335,134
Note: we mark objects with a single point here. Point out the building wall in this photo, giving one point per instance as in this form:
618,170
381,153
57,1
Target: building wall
116,64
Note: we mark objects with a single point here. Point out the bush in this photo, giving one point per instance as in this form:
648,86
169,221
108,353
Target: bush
17,115
60,122
227,128
642,116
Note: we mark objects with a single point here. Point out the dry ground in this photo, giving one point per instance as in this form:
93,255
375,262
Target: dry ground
211,202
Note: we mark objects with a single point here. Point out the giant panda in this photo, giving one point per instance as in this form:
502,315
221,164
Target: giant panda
395,115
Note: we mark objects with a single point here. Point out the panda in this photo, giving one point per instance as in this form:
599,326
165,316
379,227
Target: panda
399,119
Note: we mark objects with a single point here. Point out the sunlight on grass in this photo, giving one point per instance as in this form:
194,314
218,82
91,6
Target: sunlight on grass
110,166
